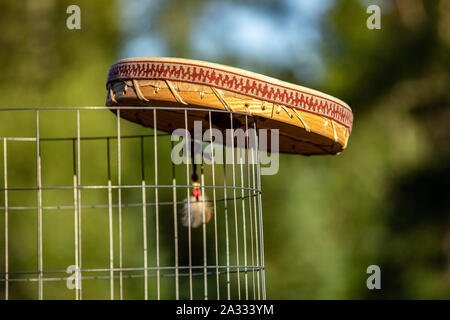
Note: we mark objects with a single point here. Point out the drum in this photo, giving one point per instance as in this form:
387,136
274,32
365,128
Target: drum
309,122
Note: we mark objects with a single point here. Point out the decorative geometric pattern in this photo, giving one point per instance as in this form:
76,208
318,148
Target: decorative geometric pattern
234,82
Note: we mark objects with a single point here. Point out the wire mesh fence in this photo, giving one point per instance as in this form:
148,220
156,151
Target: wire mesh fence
94,207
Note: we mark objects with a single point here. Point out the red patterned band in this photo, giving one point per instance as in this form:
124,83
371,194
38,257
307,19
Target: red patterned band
234,82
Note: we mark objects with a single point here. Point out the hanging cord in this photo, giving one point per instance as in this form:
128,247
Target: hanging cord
196,192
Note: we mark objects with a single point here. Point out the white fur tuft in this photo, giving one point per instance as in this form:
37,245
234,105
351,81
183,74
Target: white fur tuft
195,210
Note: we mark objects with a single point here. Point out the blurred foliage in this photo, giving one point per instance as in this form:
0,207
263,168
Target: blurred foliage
383,201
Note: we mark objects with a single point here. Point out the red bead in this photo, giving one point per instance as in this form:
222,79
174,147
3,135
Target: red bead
196,193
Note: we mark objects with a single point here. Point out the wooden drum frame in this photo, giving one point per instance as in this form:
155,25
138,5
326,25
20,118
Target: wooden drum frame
309,122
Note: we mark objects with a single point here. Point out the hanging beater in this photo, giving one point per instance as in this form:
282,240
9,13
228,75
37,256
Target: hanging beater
197,209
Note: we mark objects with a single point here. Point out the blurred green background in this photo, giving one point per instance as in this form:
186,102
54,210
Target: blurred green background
384,201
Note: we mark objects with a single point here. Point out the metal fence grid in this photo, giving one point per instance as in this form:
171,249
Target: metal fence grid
109,205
